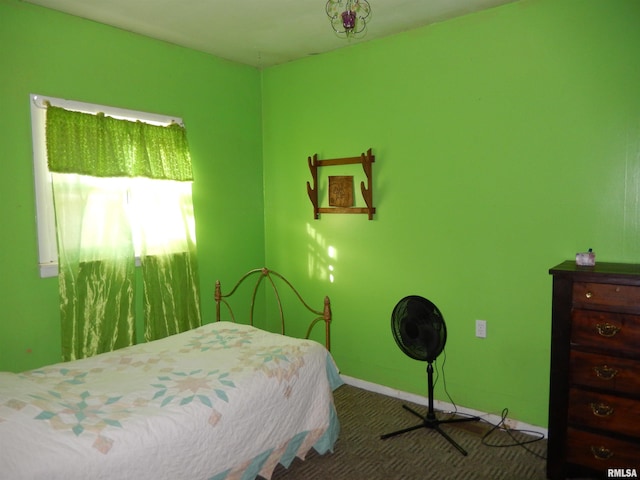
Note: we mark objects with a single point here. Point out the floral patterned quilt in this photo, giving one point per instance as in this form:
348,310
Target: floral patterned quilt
223,401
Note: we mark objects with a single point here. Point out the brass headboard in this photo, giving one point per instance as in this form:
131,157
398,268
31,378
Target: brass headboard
262,273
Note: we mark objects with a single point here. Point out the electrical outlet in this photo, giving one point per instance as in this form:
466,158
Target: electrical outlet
481,328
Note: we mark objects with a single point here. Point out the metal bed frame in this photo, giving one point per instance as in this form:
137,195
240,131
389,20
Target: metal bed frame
262,273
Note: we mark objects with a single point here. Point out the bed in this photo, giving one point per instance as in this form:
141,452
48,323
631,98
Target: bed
223,401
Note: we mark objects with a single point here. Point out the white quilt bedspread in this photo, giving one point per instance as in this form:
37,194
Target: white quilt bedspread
223,401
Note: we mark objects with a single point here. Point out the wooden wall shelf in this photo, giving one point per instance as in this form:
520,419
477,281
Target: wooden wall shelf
367,190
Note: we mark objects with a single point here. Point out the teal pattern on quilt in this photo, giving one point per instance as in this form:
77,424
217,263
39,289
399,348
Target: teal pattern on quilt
254,468
221,475
173,386
230,338
292,449
84,409
67,376
274,356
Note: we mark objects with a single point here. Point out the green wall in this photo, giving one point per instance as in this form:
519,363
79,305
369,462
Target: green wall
54,54
505,142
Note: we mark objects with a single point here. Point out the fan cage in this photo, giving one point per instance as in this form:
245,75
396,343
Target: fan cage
418,328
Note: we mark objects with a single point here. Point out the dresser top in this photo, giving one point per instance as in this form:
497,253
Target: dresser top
615,270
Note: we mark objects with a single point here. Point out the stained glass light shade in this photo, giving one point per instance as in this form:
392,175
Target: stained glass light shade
348,17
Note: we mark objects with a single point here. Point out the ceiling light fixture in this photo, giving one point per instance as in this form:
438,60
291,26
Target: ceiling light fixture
348,17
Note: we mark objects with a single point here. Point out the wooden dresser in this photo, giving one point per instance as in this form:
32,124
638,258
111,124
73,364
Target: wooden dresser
594,401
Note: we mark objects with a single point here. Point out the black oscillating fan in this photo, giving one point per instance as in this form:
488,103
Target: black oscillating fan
419,330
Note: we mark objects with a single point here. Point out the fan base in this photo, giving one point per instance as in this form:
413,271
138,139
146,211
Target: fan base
430,421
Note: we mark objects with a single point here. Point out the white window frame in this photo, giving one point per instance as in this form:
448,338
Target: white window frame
45,215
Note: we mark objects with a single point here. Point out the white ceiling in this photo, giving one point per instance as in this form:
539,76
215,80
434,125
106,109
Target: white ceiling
261,33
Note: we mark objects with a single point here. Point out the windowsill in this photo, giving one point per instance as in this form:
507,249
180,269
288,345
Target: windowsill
48,270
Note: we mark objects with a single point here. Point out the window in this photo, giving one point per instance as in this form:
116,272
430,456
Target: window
148,201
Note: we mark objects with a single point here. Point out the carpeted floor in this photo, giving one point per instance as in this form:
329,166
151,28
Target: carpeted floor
419,455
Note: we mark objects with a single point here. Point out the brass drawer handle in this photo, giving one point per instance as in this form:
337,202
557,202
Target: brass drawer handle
607,329
602,409
605,372
601,453
588,294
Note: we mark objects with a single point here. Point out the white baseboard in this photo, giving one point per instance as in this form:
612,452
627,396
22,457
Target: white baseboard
441,406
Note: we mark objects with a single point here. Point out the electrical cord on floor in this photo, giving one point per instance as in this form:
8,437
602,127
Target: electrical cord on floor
516,443
501,425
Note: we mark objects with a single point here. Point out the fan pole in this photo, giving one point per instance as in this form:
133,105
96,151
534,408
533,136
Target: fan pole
431,414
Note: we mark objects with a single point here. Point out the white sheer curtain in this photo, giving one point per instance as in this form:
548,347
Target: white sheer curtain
94,245
162,212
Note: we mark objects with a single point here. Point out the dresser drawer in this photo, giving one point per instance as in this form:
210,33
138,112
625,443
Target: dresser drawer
606,331
606,294
617,375
604,412
600,452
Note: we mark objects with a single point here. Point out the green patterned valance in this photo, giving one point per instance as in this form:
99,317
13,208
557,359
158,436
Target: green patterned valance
103,146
